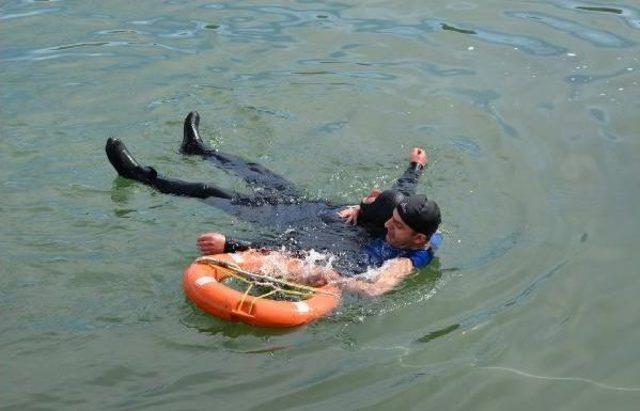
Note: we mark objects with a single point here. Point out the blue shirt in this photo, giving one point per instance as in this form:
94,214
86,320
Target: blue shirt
378,251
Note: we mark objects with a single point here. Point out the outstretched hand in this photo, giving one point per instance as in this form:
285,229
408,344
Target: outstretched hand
419,156
350,214
211,243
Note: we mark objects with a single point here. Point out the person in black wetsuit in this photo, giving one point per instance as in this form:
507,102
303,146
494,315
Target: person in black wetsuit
301,224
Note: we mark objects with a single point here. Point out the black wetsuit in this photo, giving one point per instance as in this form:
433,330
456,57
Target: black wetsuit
298,224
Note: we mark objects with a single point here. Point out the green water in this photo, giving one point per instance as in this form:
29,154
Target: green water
529,113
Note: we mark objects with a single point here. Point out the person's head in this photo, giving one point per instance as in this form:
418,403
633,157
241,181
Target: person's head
413,222
377,208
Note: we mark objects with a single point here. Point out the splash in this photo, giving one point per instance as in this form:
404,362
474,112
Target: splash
276,264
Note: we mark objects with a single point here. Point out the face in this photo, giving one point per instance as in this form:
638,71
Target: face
400,235
371,197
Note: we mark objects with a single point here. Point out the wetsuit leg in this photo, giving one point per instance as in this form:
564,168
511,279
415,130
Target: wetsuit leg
406,184
128,167
253,173
189,189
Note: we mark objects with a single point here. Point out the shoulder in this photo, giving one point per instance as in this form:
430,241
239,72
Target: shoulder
436,241
420,258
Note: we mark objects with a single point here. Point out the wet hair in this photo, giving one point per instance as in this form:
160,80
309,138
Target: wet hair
375,214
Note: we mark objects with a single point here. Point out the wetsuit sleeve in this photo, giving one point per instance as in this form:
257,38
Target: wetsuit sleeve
232,246
406,184
235,245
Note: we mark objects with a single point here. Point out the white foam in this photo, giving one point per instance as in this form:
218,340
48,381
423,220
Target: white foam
237,258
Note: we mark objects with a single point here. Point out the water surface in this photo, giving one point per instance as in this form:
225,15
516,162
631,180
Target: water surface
528,110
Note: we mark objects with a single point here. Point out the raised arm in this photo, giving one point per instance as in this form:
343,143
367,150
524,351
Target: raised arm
406,184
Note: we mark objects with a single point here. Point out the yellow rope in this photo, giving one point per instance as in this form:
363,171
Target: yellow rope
275,290
269,293
239,270
244,297
264,296
251,278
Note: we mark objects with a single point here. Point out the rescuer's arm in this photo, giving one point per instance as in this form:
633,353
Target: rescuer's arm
390,275
406,184
217,243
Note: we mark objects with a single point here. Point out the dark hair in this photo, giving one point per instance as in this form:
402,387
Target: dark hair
375,214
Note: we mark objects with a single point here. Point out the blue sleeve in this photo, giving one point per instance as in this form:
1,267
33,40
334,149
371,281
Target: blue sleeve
421,258
436,241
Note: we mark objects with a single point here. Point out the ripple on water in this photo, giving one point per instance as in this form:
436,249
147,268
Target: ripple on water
134,299
119,31
599,115
462,5
520,297
275,31
484,99
343,58
61,51
466,145
496,249
80,45
600,38
527,44
28,14
592,78
630,15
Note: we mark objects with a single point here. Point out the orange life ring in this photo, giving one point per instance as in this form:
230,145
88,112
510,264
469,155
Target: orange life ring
203,284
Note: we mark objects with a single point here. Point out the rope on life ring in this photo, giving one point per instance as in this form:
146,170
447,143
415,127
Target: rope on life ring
204,284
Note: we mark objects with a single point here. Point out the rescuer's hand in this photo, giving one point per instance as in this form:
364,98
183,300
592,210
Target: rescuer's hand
211,243
419,156
350,214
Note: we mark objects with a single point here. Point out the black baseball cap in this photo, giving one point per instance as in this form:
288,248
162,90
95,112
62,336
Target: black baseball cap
420,213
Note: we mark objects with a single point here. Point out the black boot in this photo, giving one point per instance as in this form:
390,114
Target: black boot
191,141
125,164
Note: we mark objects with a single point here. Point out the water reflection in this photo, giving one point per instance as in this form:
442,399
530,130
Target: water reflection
525,293
252,23
596,37
630,15
590,78
438,333
484,99
522,165
27,14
